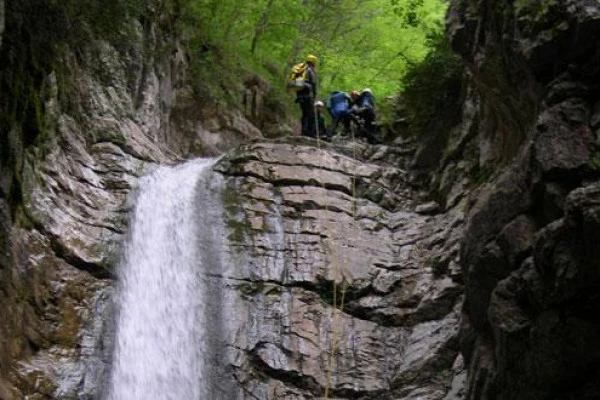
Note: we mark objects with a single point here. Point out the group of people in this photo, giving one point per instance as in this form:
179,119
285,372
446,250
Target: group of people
343,108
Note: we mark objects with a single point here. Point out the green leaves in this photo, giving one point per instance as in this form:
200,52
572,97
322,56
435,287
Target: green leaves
359,43
433,85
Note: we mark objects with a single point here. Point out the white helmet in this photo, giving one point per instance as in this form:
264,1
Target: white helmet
319,103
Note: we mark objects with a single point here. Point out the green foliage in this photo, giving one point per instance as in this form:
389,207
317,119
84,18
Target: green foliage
480,175
432,85
370,44
438,265
359,43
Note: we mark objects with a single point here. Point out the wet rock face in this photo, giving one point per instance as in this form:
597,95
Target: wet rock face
264,110
530,315
337,278
317,271
59,237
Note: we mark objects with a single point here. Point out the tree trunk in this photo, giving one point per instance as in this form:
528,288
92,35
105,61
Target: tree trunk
260,26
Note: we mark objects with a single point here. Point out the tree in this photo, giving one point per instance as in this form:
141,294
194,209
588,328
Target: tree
359,42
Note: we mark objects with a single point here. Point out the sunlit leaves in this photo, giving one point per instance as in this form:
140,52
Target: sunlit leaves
359,42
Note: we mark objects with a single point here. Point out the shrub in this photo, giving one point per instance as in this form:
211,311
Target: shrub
432,86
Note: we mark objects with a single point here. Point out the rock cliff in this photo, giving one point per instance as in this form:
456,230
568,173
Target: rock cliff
340,276
340,282
1,20
63,197
530,316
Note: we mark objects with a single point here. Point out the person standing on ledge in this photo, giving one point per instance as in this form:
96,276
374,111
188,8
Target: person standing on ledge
306,97
320,121
365,109
339,105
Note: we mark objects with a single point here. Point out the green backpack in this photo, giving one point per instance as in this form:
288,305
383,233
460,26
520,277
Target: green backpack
297,77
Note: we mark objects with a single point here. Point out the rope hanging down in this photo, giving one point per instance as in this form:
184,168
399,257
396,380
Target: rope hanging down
335,314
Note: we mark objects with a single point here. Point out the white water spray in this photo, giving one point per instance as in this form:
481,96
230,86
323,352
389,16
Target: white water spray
159,335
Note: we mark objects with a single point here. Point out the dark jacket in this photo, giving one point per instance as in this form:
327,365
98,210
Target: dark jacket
366,100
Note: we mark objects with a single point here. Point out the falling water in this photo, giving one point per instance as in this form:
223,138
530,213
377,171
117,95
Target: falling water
159,338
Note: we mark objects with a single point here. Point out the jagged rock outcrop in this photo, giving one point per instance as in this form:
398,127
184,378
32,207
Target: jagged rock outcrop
530,317
328,256
262,108
295,226
64,201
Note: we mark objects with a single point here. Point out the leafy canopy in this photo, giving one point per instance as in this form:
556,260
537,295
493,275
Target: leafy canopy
359,43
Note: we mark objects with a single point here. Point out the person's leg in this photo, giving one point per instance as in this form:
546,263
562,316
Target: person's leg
370,127
360,124
306,108
354,125
346,122
334,123
323,129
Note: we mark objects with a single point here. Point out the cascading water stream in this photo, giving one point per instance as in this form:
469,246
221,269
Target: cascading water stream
160,333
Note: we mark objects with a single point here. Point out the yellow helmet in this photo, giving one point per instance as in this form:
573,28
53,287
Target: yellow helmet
312,59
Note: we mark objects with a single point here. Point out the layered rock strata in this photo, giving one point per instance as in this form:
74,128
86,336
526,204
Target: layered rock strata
340,284
298,221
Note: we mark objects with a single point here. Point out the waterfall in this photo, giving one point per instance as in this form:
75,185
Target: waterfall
160,331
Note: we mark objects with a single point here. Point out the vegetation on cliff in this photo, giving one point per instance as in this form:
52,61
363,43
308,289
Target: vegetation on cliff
372,43
432,87
359,43
36,34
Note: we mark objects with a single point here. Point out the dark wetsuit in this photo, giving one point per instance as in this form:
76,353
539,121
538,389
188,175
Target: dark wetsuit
366,111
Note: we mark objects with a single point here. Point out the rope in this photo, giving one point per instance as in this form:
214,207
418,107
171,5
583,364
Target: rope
334,287
335,312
